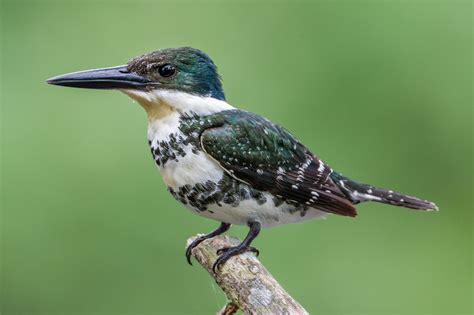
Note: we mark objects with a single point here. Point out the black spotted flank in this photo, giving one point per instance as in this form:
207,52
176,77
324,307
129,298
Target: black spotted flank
227,191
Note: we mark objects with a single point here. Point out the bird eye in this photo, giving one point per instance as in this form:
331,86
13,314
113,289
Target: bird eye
167,70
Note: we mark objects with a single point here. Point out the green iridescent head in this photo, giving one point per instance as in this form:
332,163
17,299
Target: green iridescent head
183,69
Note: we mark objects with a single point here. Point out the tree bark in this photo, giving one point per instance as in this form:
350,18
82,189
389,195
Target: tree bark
245,281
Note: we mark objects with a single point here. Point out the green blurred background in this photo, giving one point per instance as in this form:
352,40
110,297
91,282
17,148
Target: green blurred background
382,90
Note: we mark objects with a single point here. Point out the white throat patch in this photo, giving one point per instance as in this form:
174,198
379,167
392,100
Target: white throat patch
159,103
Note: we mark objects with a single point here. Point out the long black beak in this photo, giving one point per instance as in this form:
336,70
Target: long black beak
106,78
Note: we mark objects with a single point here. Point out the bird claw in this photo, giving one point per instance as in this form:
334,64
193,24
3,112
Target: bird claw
189,249
254,250
227,252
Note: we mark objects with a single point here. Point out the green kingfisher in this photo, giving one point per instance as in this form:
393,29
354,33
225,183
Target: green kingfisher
223,163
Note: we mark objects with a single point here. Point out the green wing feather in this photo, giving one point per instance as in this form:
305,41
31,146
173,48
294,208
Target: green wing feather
262,154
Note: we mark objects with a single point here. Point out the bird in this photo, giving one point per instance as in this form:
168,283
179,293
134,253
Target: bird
224,163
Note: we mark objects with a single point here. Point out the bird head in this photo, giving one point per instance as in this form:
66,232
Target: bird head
187,70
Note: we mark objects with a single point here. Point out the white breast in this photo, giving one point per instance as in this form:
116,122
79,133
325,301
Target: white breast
190,170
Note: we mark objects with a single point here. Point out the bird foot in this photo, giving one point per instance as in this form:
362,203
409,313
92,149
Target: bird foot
198,240
228,252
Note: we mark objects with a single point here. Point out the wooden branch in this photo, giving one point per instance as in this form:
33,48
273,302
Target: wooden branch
245,281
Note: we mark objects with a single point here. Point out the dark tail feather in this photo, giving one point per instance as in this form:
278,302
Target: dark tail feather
359,192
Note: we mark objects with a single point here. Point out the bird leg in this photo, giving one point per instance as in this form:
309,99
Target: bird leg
221,229
227,252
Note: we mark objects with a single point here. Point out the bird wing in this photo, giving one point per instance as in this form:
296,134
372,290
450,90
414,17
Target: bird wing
265,156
